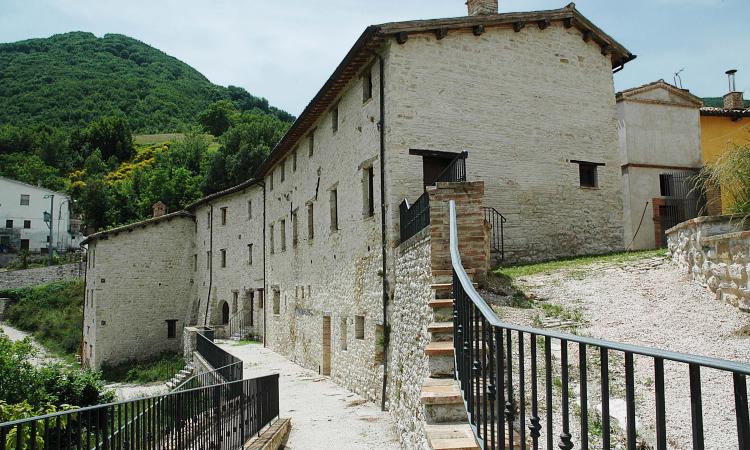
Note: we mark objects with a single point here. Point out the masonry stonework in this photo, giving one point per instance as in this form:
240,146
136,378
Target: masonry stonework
715,251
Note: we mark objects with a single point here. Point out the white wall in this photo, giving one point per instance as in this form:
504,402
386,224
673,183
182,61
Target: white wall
11,209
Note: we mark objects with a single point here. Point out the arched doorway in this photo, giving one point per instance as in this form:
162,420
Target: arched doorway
224,313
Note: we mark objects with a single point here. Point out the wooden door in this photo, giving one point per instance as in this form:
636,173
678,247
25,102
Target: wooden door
326,367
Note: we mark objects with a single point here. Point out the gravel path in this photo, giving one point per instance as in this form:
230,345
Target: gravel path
324,415
651,303
42,357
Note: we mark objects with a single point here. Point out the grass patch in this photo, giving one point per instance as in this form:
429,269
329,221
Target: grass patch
560,312
246,342
52,313
522,270
161,368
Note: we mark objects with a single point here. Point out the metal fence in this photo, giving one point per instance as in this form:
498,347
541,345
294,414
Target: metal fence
414,218
219,417
210,378
683,199
219,358
497,223
500,366
455,171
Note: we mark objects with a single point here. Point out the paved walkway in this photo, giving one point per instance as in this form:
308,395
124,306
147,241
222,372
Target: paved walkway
324,415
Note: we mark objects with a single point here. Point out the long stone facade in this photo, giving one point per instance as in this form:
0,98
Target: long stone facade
715,251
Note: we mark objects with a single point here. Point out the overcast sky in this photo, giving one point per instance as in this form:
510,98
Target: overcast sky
285,50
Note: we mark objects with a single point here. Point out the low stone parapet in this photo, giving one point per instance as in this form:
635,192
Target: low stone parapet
715,251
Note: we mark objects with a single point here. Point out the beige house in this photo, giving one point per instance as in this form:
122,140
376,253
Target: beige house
660,152
310,248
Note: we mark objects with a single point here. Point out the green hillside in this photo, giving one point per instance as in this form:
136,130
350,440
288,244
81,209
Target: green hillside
68,80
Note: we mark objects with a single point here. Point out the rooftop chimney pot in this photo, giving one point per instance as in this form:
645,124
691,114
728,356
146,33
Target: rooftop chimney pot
159,209
481,7
733,99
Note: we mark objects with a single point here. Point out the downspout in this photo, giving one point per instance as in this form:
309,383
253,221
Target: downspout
383,240
265,286
210,261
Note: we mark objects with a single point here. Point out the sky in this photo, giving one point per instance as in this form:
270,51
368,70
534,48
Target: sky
285,50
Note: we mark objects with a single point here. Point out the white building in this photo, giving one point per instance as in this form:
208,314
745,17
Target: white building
22,211
660,152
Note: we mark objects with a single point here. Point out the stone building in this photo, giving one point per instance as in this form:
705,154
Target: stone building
660,150
529,96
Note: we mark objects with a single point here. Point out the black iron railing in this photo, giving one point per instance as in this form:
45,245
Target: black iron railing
455,171
210,378
210,418
239,326
414,218
216,357
520,394
497,223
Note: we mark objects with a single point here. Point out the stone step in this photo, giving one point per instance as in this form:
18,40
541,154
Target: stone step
442,309
441,331
440,359
442,401
444,348
451,436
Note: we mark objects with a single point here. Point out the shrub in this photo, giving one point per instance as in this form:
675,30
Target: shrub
53,313
731,174
161,368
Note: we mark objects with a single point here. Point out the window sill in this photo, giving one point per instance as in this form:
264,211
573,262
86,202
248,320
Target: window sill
590,188
369,100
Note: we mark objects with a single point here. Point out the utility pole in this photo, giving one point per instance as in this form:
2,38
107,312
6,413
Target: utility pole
51,219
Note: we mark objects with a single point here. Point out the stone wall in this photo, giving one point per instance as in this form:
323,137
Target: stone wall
136,280
410,316
13,279
513,101
715,251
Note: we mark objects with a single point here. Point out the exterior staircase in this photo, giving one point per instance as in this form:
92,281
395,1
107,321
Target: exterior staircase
240,334
180,376
447,420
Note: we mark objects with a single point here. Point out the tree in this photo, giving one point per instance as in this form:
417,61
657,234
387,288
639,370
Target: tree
218,117
30,169
110,134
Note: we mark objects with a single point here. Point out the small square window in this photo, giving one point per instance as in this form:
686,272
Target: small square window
224,216
368,191
208,219
335,118
8,224
27,224
250,254
270,239
249,209
665,184
359,327
282,230
294,160
311,143
587,173
343,330
25,199
334,209
310,222
283,170
223,257
276,302
195,262
270,181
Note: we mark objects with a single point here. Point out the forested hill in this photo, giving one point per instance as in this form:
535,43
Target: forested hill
68,80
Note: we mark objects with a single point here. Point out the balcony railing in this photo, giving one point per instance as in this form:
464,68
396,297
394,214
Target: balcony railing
414,218
503,369
219,358
497,224
216,417
455,171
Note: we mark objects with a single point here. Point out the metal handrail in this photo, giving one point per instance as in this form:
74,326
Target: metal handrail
455,171
414,218
497,223
482,359
204,375
215,356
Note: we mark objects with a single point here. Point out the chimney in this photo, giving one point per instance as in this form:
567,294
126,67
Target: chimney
159,209
481,7
733,100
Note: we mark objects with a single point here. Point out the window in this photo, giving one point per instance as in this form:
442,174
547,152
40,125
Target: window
587,173
368,192
270,181
276,302
310,222
665,184
8,224
283,170
171,328
208,219
335,118
208,260
295,235
250,254
334,210
343,335
224,216
367,85
195,262
249,209
25,199
47,238
294,160
311,143
359,327
270,238
223,257
283,235
27,224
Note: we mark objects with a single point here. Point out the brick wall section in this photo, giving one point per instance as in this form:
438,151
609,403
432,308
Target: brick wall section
472,228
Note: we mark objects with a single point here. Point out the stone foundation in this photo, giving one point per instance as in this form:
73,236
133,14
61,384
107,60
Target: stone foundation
715,251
